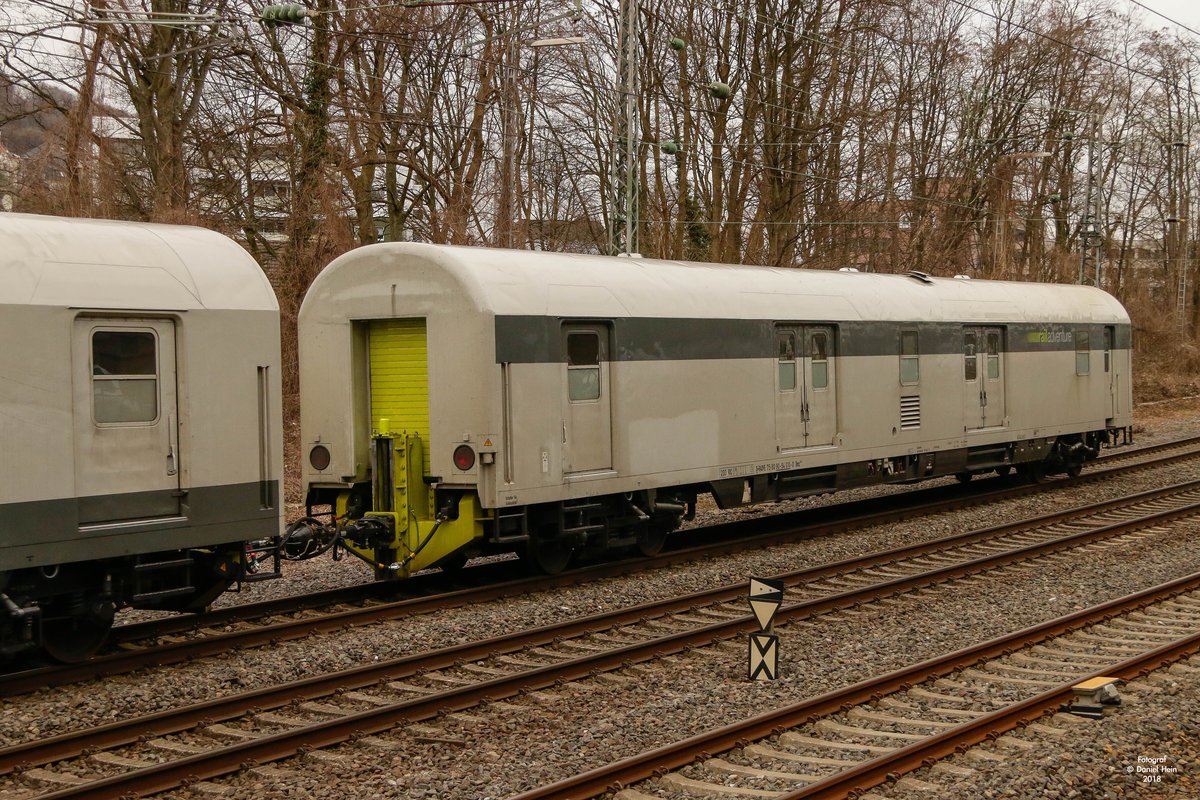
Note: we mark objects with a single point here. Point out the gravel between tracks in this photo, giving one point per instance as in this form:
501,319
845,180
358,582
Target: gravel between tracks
518,744
1149,748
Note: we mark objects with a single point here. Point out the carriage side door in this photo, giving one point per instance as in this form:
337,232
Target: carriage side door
805,396
587,417
789,389
820,383
972,381
992,365
127,459
1110,371
983,378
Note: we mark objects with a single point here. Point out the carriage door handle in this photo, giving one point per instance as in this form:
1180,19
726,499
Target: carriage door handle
172,459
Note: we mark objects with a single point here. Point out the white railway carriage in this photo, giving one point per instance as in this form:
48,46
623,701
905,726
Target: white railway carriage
460,400
140,423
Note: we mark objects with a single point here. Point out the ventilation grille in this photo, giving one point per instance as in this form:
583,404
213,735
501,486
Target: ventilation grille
910,413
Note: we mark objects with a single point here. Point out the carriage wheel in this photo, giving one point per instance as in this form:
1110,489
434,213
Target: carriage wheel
550,556
650,539
72,639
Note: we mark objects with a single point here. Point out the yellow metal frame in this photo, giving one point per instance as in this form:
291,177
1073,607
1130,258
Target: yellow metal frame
399,366
415,519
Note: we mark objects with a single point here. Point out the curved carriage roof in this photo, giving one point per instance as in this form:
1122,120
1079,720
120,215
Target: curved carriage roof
365,283
88,263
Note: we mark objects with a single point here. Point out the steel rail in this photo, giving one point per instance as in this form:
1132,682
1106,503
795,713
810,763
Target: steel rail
171,721
907,759
734,536
287,743
415,585
654,762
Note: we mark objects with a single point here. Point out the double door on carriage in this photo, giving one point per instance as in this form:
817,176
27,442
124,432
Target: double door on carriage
983,377
805,386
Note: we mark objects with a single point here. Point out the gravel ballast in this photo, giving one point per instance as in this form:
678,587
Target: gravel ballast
513,745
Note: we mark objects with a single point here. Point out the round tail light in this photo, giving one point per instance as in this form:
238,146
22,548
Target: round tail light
464,457
319,457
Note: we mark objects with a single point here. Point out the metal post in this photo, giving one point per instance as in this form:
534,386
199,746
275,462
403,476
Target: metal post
1091,227
623,222
506,207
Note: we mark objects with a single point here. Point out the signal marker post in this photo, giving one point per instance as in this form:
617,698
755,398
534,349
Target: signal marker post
766,596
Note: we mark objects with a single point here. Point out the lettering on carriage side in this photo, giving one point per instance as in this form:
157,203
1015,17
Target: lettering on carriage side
778,466
736,471
511,500
1049,337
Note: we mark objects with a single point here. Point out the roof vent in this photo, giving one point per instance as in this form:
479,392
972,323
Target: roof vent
923,277
848,269
962,277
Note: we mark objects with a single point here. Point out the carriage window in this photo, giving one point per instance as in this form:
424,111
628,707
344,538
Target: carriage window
820,360
910,361
1108,343
124,377
1083,353
787,361
583,366
993,355
970,369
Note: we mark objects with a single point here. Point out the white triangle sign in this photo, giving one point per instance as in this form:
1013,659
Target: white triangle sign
759,586
764,611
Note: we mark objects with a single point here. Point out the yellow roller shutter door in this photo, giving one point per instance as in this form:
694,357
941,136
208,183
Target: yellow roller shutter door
400,379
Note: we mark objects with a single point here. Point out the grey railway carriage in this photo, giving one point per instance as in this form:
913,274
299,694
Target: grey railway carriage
459,401
140,420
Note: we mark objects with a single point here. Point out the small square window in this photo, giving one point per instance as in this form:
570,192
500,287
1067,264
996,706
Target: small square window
124,377
820,361
583,349
1083,353
583,383
993,355
970,367
910,361
583,366
786,345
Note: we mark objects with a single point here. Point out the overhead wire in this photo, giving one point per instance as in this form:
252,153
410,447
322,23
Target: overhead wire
761,144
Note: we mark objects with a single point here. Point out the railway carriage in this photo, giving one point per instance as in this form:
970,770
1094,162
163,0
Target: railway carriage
459,400
140,418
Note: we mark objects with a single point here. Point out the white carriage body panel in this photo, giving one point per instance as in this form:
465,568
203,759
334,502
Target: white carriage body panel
61,280
683,410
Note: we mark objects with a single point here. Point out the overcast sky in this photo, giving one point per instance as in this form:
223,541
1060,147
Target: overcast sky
1186,12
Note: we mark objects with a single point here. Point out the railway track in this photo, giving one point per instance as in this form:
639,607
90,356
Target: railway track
172,748
878,729
183,638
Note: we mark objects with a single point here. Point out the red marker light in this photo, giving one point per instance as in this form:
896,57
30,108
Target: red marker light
464,457
319,457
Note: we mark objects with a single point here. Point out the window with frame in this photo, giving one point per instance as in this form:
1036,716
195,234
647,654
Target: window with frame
1108,345
993,355
1083,353
910,360
124,377
583,366
820,360
970,357
786,345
